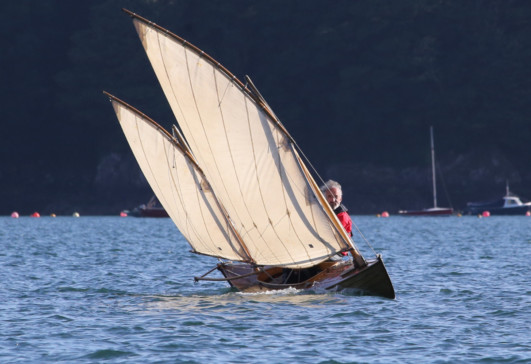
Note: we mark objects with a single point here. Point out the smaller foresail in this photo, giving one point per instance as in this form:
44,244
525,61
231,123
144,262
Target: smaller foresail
180,185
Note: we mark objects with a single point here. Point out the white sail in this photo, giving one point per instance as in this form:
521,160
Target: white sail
179,185
246,156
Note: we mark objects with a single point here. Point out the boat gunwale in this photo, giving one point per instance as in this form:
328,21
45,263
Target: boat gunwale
349,272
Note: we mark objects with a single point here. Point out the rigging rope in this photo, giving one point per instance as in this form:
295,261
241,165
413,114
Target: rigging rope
439,169
363,237
323,183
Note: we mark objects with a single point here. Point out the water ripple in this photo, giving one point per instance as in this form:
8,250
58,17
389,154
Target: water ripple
102,289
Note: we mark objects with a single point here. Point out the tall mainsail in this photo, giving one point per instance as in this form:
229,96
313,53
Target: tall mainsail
247,157
179,185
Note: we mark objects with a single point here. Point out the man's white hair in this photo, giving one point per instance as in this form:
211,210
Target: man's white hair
331,184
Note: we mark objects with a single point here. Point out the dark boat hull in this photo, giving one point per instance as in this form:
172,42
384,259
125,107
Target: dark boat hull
372,279
152,209
518,210
507,205
149,212
428,212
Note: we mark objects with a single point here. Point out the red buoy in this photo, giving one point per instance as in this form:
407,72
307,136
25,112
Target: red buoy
385,214
35,214
485,214
15,215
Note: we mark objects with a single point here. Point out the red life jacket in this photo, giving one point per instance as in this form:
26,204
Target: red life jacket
342,214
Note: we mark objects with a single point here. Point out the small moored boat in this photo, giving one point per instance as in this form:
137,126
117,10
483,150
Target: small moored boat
151,209
509,204
432,211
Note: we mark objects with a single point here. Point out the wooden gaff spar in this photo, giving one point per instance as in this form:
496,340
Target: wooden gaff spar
278,230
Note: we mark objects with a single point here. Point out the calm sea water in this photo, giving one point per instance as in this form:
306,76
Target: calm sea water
111,289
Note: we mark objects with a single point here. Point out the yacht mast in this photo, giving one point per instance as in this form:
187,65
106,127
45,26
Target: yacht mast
433,168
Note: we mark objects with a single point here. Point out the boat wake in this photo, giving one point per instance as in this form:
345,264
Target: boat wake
278,292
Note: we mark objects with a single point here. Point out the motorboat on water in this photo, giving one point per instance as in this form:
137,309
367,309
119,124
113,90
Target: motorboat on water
152,209
510,204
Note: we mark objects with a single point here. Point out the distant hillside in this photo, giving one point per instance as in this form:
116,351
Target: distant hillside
357,83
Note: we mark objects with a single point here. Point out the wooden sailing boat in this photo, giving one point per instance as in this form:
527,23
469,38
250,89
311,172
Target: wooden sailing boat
435,210
234,183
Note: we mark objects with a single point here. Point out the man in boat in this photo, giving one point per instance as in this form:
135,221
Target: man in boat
334,195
